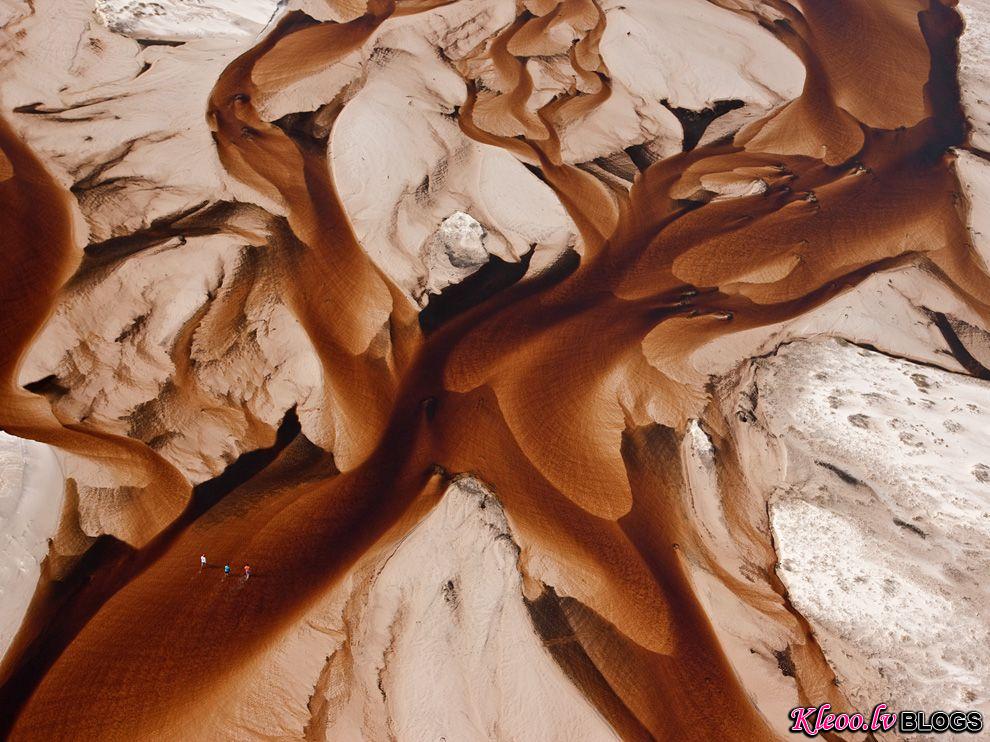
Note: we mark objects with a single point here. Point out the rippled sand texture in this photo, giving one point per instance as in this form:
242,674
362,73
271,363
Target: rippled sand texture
272,290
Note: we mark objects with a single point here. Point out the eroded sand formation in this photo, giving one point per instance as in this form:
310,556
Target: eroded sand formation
565,369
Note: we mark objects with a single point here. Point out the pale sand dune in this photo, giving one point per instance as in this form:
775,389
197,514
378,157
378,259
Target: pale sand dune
403,166
693,54
428,638
185,19
341,262
974,177
878,509
31,490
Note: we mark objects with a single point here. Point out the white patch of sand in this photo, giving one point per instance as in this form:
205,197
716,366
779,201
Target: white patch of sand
31,491
430,640
182,20
692,54
886,310
123,126
974,176
746,636
974,57
879,486
117,368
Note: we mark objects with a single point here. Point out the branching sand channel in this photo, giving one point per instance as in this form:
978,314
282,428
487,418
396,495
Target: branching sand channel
451,320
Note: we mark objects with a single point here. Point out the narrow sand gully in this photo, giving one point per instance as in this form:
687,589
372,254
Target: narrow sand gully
566,393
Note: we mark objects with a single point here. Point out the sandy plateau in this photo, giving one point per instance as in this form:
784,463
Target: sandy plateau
563,369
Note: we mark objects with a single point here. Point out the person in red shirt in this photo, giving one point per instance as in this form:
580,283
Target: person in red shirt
247,571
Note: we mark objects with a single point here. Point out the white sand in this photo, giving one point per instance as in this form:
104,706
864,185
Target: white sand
181,20
693,53
974,177
31,491
880,509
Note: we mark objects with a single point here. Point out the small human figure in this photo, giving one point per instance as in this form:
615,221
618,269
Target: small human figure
226,569
202,561
247,571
